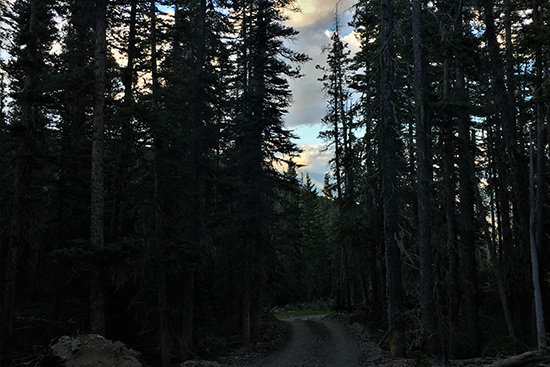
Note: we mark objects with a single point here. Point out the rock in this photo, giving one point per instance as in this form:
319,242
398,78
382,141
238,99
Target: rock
91,350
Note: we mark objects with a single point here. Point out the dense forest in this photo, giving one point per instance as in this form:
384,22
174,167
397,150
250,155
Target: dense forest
149,190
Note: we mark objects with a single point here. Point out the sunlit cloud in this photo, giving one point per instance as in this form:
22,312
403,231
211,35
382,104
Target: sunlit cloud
314,158
310,12
352,41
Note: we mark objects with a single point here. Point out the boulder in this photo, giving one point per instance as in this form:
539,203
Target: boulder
92,350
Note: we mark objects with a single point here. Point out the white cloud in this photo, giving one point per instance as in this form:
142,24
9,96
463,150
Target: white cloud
311,12
315,158
352,41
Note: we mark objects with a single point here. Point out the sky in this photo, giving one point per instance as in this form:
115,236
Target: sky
315,24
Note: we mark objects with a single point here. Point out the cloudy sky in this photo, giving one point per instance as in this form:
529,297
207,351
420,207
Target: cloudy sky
315,23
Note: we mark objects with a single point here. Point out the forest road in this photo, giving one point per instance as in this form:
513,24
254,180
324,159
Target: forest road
315,342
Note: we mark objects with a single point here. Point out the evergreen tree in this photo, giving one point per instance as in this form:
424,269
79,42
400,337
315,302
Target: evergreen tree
262,97
341,137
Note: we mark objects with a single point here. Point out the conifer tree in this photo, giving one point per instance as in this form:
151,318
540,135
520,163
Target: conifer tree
340,135
263,96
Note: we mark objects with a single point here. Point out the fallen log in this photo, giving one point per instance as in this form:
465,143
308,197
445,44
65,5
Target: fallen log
518,360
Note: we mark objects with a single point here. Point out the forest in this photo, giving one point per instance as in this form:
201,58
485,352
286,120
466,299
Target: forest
149,190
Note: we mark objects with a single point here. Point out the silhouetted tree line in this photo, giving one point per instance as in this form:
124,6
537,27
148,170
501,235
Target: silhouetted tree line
148,190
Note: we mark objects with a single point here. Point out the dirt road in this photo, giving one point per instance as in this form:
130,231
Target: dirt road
315,342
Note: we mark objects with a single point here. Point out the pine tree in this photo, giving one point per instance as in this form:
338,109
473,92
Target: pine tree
263,96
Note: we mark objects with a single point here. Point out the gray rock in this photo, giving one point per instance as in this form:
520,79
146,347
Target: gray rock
92,350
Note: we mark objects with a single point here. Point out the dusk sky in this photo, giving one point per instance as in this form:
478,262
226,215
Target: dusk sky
315,24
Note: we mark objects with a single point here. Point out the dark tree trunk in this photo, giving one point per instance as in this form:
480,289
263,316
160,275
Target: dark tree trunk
195,154
97,297
388,147
498,274
164,337
424,179
165,345
466,222
15,241
188,312
541,140
539,311
246,335
449,194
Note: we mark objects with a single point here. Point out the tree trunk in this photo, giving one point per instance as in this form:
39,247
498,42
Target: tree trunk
394,288
246,297
539,311
541,144
165,345
164,337
195,154
188,312
449,194
424,178
15,241
97,301
467,231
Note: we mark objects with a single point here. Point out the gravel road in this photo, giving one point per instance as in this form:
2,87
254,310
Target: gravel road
315,342
310,341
